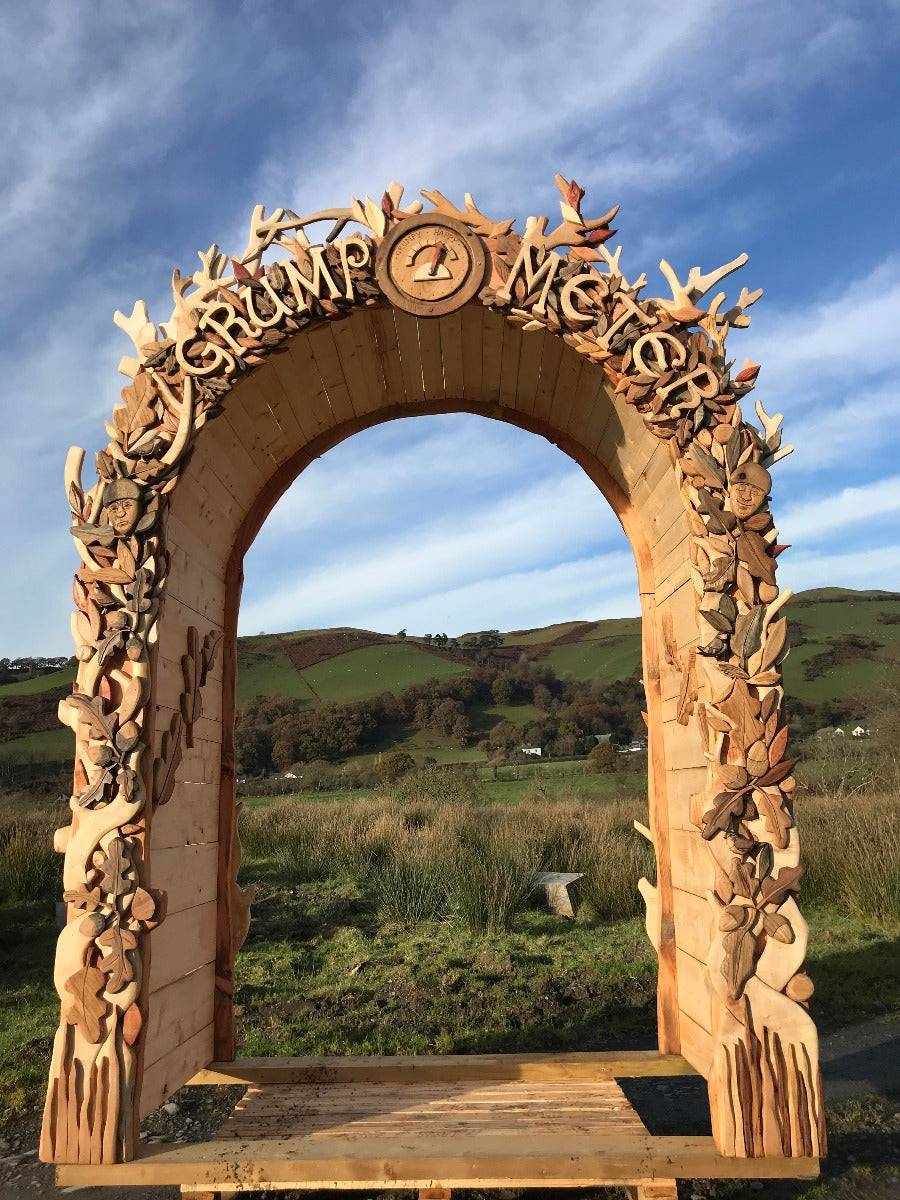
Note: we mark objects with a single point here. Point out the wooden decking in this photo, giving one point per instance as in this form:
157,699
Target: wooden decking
462,1121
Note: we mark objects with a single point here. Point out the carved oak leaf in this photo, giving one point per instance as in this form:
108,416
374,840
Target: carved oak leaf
114,943
87,1007
81,897
752,551
775,890
114,867
778,822
91,711
166,763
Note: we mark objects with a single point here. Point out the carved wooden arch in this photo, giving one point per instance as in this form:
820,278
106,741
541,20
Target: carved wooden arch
265,363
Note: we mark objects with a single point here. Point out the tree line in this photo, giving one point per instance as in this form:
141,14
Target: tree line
274,733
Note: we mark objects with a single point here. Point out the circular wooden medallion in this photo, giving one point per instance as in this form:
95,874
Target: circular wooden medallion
431,265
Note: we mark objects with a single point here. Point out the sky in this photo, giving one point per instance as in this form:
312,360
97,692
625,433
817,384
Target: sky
134,137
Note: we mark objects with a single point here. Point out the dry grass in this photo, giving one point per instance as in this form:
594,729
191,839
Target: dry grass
850,846
30,868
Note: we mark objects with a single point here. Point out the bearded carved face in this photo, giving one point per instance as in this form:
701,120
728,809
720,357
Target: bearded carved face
748,488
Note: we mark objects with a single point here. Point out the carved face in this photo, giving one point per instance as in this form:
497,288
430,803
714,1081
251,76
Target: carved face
748,488
123,515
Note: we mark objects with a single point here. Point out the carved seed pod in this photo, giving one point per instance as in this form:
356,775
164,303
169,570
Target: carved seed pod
757,759
134,648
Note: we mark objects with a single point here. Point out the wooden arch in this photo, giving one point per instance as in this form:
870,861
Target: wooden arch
266,362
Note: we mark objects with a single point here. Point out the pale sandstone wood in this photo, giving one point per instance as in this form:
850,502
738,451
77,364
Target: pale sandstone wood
328,363
554,349
188,548
387,351
186,874
682,606
493,332
191,816
181,944
170,1072
222,450
173,630
671,552
562,1162
693,923
410,356
693,869
509,364
529,373
472,350
205,728
570,370
178,1011
255,427
684,747
695,995
430,353
665,944
696,1044
304,384
661,1189
203,503
451,333
588,406
375,387
676,576
446,1068
272,391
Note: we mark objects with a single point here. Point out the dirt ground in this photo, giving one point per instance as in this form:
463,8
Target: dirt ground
860,1064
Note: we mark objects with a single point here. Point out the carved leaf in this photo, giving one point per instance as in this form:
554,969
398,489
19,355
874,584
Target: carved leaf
82,898
166,764
115,942
132,1022
92,712
740,955
726,806
717,620
705,465
777,773
776,636
143,905
778,745
778,822
753,552
87,1007
776,889
114,867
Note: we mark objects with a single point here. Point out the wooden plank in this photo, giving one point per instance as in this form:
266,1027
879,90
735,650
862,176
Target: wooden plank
410,356
451,331
693,923
375,394
696,1044
328,363
430,352
191,817
181,944
364,384
590,408
387,350
695,994
492,333
570,370
509,364
170,1072
177,1012
530,355
693,869
551,359
472,350
187,874
303,384
255,426
444,1067
575,1161
218,447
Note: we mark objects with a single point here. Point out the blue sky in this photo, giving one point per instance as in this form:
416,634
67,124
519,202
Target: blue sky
131,139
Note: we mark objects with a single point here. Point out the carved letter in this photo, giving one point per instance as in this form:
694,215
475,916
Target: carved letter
303,286
525,263
589,280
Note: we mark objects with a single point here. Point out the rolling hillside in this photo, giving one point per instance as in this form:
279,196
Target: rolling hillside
843,645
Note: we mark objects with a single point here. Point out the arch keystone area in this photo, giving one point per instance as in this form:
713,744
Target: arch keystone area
269,359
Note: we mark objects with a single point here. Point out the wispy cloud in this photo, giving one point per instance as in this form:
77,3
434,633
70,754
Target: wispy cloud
826,515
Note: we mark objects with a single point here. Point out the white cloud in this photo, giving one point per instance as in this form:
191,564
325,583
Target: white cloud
823,516
878,567
553,519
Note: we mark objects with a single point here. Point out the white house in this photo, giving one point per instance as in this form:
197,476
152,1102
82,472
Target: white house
536,751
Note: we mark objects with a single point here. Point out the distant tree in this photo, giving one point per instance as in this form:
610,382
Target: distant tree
401,633
502,689
543,697
461,731
253,748
601,759
394,766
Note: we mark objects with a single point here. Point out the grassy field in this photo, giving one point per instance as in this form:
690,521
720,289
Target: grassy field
403,922
50,745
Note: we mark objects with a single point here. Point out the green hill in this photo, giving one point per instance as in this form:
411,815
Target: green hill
844,644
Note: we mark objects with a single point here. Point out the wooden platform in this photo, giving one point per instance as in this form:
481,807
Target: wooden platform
463,1121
